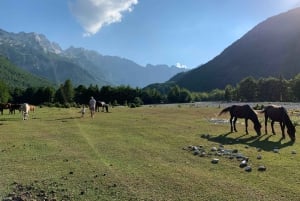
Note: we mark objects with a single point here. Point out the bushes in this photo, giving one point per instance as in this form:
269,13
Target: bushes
61,105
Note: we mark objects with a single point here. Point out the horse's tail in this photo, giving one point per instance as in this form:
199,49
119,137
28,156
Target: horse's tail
227,109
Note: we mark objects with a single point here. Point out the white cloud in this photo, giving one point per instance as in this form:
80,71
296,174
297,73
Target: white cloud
94,14
179,65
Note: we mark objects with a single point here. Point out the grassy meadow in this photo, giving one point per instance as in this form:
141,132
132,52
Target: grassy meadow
142,154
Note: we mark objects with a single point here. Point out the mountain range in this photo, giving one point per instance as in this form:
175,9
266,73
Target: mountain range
272,48
35,54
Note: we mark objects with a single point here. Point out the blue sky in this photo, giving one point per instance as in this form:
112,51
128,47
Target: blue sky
173,32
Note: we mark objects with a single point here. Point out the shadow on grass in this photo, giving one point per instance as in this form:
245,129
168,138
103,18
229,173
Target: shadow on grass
4,120
263,142
66,118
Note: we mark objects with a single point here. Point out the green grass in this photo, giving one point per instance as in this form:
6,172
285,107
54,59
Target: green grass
140,154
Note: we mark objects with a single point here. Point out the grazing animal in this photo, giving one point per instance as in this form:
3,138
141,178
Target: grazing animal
279,114
242,111
103,105
4,106
25,108
13,107
32,108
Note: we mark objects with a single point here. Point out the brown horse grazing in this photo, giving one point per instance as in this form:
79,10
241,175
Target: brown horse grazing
4,106
279,114
242,111
13,107
31,108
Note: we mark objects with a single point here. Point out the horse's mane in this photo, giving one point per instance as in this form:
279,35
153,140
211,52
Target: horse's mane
287,118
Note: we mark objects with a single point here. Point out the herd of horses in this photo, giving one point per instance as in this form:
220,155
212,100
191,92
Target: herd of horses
25,108
12,107
272,112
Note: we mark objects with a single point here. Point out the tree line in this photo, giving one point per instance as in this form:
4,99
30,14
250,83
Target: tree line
248,89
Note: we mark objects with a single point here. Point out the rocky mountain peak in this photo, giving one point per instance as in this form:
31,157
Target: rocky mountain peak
33,40
46,45
36,54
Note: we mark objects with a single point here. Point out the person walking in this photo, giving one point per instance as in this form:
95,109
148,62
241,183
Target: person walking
83,111
92,105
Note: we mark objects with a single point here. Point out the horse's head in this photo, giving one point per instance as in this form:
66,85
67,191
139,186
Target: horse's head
257,128
292,131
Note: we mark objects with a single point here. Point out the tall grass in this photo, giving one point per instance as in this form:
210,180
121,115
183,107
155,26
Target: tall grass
140,154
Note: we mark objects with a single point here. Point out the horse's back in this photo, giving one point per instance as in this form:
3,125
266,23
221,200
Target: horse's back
242,111
274,112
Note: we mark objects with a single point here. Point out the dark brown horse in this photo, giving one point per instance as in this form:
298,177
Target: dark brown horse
279,114
103,105
4,106
242,111
13,107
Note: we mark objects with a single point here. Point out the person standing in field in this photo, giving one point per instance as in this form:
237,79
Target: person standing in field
83,111
92,105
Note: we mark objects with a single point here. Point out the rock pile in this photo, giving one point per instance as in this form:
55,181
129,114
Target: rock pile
217,152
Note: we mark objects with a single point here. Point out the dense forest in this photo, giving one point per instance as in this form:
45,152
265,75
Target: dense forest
14,76
66,95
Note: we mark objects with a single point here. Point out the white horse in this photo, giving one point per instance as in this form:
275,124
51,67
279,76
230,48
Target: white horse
25,108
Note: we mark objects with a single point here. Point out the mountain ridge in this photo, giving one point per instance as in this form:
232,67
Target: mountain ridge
36,54
269,49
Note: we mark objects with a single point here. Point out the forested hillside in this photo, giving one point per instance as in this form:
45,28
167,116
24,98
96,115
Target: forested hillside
15,77
272,48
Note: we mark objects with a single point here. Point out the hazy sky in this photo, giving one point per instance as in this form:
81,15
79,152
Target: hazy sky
183,32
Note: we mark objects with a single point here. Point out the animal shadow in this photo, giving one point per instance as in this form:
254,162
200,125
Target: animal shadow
263,142
66,119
